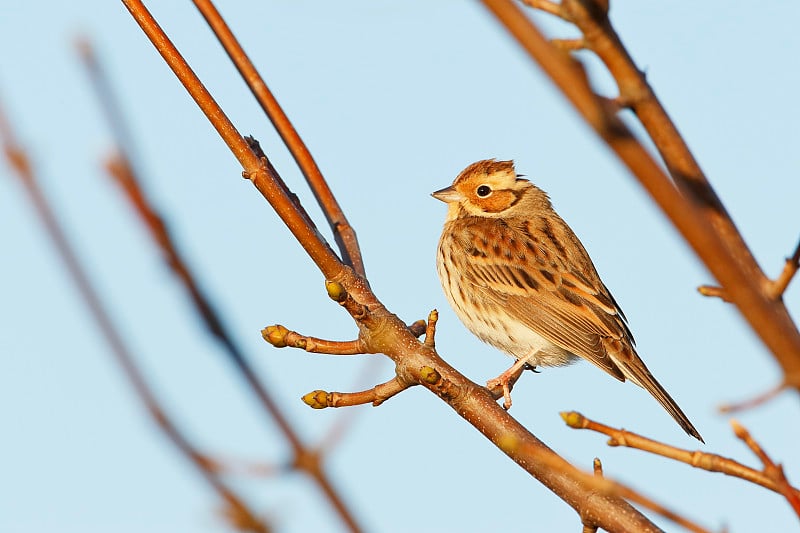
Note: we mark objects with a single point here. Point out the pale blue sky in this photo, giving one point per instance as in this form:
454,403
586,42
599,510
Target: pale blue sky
394,99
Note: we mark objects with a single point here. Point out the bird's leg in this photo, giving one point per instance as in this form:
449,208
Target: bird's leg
506,380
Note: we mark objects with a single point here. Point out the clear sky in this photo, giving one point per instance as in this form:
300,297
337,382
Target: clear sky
394,99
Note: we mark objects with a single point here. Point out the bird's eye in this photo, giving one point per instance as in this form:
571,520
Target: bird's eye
483,191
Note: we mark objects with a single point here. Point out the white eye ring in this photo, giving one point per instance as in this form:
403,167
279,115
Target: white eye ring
483,191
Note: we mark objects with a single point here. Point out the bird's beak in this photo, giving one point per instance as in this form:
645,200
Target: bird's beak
447,195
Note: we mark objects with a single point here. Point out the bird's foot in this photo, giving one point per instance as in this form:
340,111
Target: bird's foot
506,381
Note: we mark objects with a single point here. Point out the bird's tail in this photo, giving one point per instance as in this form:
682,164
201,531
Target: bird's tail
635,370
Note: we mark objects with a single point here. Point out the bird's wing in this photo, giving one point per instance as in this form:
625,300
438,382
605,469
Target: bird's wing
558,296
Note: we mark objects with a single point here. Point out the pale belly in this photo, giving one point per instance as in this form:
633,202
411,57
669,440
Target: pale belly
493,325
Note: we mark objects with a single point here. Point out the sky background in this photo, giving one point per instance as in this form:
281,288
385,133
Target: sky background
393,99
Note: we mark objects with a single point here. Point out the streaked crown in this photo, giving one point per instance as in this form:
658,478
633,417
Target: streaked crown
490,188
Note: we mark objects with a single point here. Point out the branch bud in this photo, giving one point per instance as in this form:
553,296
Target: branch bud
275,335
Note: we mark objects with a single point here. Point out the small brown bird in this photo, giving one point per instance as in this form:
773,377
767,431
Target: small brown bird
519,279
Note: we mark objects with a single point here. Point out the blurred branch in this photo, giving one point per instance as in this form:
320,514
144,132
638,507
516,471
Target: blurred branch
599,36
344,234
236,510
755,401
773,471
790,267
383,332
771,477
775,288
694,209
121,168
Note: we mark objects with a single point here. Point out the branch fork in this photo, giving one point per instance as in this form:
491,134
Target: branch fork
281,337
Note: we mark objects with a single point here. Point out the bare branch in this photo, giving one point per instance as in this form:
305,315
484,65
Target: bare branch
705,461
713,291
547,6
773,471
383,332
569,45
255,170
778,287
378,394
430,329
236,509
344,234
688,211
755,401
280,337
121,168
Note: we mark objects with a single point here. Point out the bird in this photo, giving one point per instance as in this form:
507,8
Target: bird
519,279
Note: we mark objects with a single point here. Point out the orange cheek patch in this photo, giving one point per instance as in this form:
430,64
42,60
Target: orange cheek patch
498,201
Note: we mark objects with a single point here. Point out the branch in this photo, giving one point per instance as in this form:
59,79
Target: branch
773,471
775,288
686,208
344,234
236,510
599,35
383,332
121,169
320,399
710,462
778,287
755,401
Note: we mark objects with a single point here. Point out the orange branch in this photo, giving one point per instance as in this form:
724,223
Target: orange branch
344,234
378,394
768,318
256,170
122,170
705,461
773,471
236,510
383,332
778,287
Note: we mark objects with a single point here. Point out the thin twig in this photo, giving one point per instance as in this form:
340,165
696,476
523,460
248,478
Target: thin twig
771,469
430,329
378,394
697,459
774,289
778,287
768,318
597,467
712,291
121,168
547,6
756,401
343,233
255,170
569,45
280,337
236,510
601,37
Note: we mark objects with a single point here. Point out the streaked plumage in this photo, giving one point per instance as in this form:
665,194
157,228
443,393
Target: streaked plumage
518,278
